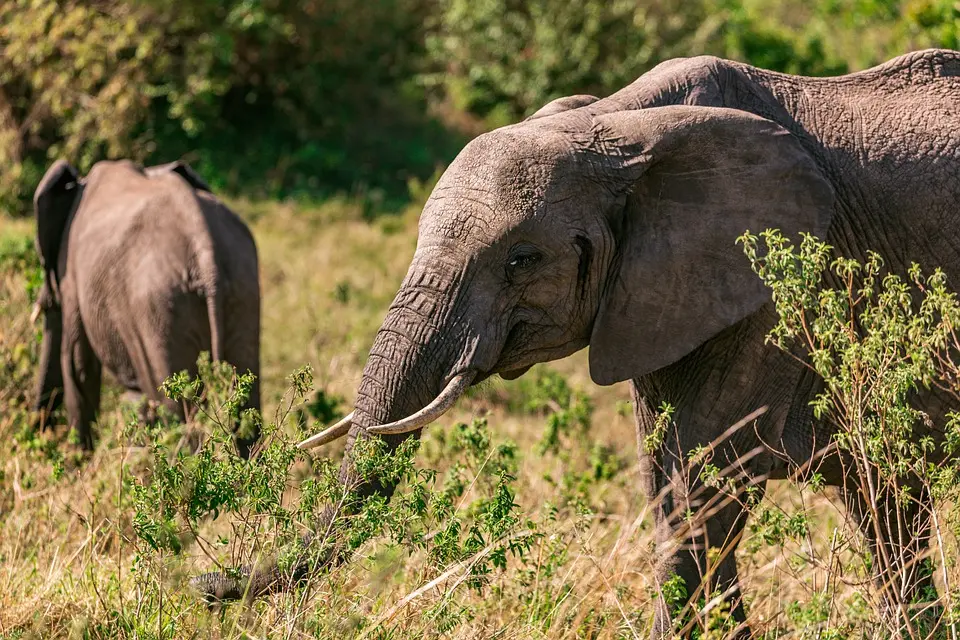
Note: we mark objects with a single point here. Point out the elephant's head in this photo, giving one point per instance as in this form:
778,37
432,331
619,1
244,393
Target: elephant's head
53,202
573,228
576,228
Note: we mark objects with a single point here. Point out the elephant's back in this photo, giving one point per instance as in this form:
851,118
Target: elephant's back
144,234
140,260
137,243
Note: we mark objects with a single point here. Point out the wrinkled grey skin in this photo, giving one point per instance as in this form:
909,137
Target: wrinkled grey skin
612,223
144,269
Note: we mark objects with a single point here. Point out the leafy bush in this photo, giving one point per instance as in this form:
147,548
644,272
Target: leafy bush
503,59
876,340
300,97
464,539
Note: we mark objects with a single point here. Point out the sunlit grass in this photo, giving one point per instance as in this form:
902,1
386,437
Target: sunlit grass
68,545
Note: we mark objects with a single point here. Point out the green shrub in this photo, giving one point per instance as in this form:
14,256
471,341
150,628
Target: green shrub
503,59
305,98
876,339
471,536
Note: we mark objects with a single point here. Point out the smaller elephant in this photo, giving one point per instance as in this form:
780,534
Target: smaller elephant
144,269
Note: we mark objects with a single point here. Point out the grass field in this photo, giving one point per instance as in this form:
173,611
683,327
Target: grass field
73,566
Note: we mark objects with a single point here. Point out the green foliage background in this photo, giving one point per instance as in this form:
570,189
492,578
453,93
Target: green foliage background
306,98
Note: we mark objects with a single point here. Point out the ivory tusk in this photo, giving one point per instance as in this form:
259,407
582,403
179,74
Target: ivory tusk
328,435
35,314
432,411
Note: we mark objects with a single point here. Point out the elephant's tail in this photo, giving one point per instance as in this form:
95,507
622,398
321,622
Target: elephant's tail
215,318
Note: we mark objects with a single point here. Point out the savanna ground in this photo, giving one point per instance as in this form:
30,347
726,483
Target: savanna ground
543,535
533,526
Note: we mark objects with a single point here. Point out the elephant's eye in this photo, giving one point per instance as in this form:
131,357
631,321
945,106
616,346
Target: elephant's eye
524,258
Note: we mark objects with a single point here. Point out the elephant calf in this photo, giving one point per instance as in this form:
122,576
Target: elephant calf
143,270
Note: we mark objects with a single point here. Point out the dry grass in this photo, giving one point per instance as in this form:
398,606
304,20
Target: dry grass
328,276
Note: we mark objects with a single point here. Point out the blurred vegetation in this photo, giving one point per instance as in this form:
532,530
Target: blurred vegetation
281,98
268,96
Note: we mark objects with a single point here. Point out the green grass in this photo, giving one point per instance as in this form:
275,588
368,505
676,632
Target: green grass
74,564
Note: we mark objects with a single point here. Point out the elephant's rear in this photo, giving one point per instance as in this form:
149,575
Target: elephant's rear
177,275
147,309
234,307
224,276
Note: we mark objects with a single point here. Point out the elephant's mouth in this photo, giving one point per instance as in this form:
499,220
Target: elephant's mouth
529,343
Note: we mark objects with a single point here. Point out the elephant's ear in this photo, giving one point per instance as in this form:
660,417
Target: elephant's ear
52,203
685,183
563,104
184,170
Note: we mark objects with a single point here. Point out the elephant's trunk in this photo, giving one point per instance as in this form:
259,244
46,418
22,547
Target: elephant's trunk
411,359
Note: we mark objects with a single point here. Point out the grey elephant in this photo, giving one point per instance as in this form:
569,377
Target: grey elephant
143,270
612,223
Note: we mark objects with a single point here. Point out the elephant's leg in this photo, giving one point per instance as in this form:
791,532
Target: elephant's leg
698,530
242,350
49,395
81,379
148,345
731,396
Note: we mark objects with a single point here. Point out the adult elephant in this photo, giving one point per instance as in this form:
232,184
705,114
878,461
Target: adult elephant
612,223
144,269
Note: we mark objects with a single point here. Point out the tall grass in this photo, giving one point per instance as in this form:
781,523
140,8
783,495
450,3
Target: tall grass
518,516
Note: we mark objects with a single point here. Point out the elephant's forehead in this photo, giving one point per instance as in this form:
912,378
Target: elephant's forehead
471,213
494,185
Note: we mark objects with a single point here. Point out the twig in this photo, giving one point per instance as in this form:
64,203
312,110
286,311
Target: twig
467,564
